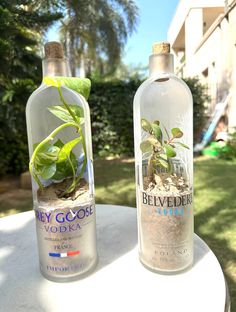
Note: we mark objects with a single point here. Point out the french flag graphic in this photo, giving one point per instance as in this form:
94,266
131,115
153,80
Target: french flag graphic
64,254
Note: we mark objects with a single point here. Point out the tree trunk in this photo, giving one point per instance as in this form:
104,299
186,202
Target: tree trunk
72,55
82,67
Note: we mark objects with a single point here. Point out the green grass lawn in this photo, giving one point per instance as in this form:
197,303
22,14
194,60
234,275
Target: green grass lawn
215,203
215,213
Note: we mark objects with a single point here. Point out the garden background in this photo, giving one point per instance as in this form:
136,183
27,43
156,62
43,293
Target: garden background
22,31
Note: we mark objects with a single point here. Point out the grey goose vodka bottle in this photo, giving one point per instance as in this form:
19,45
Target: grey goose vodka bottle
61,165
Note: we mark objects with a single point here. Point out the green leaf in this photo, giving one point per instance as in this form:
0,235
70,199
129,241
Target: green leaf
47,171
170,152
157,132
146,146
64,153
59,143
47,154
47,148
51,81
63,114
163,163
146,125
156,122
64,169
163,156
182,144
163,160
80,85
153,141
74,160
177,133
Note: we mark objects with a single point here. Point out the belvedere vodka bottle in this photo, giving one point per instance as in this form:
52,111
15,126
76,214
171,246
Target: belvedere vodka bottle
59,138
163,124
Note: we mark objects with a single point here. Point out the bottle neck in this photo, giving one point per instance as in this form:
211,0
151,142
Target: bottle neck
160,64
56,67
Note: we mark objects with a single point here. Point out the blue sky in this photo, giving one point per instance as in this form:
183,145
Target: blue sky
154,20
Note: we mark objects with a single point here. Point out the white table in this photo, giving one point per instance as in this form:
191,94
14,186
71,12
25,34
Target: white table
119,283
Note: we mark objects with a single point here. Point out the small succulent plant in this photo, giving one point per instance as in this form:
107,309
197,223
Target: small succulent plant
161,150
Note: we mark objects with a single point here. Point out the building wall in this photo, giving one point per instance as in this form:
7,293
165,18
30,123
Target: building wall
232,66
182,11
207,39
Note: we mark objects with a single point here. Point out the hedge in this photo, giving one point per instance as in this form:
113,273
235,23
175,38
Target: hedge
111,105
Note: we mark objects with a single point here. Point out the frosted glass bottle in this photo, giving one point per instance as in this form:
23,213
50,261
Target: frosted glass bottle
163,131
65,221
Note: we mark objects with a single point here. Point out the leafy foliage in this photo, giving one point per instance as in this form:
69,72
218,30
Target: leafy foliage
227,150
200,97
21,24
21,27
111,107
56,161
160,150
104,27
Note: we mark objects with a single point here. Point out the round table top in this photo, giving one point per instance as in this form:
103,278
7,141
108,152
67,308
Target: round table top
119,282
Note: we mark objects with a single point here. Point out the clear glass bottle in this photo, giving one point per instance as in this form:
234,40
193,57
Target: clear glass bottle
163,131
62,174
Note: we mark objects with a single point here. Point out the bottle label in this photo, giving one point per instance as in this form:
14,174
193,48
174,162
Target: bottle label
166,230
66,239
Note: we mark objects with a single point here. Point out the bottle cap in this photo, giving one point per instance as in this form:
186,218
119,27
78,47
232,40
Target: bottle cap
53,49
161,48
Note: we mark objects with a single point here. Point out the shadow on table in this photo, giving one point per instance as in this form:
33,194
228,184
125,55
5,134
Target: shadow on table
116,233
200,250
20,279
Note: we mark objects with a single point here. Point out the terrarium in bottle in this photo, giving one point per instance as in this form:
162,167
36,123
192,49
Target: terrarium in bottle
164,166
61,167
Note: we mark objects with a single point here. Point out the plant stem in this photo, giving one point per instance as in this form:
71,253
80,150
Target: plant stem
80,132
66,105
170,140
73,184
85,156
168,136
150,169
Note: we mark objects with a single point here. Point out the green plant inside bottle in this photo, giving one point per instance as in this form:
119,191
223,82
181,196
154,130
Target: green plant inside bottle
161,150
56,161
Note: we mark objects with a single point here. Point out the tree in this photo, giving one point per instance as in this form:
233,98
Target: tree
94,33
21,25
